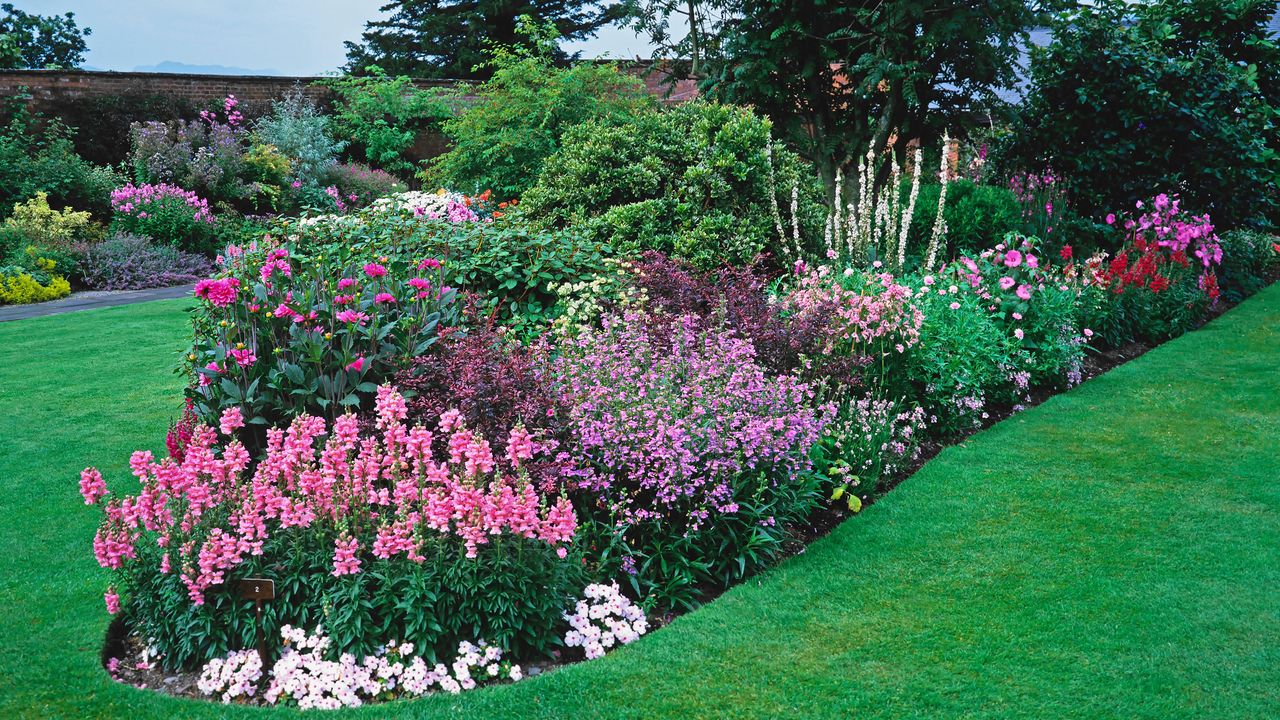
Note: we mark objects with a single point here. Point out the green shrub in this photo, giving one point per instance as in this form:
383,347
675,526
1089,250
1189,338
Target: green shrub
43,159
977,215
299,131
381,116
1131,98
961,362
1248,260
512,270
502,138
692,181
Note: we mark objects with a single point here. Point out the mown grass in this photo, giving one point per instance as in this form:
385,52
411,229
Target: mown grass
1112,553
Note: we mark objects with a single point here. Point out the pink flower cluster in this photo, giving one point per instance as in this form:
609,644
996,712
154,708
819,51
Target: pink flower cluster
208,515
865,314
142,201
669,426
219,293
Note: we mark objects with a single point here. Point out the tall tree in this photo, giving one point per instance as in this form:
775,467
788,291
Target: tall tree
36,42
448,38
838,77
685,33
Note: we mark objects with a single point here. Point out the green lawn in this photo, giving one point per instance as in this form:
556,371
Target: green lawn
1114,552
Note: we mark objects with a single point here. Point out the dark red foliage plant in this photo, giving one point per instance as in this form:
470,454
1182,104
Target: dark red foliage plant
495,383
739,297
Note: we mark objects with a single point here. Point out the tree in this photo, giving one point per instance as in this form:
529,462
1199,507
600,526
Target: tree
502,137
691,40
448,38
1172,96
838,77
37,42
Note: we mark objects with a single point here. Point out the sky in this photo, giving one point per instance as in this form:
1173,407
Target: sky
281,37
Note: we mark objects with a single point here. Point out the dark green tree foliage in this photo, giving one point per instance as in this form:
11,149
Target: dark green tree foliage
836,77
448,38
37,42
501,140
1174,96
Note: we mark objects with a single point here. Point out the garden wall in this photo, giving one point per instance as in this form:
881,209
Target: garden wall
101,104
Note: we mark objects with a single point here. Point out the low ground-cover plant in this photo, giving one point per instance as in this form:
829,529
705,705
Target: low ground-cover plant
129,262
408,534
21,285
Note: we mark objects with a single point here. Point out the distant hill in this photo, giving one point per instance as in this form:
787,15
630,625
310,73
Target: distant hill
169,66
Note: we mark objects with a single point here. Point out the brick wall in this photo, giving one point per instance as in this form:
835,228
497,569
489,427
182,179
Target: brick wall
53,92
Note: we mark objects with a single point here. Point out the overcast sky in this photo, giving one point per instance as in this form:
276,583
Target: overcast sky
289,37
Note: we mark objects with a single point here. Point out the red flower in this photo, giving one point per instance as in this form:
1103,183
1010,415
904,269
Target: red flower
1158,283
1065,253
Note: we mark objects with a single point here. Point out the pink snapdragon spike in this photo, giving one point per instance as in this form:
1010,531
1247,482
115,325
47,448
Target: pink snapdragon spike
232,419
209,514
92,486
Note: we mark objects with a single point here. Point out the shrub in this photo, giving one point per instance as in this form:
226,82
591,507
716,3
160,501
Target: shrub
278,338
502,138
738,298
44,160
694,181
301,133
448,542
20,286
495,384
1248,262
510,267
694,466
380,116
975,215
1131,96
35,230
165,213
962,363
42,224
128,262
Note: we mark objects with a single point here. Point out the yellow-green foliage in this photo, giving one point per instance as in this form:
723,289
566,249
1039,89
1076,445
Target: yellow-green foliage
21,289
271,165
42,223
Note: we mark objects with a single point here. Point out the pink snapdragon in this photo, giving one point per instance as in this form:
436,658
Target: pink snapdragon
92,486
212,516
232,419
345,557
